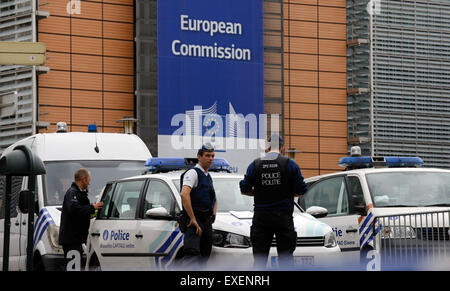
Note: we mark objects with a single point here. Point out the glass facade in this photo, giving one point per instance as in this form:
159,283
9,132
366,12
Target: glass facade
17,83
398,82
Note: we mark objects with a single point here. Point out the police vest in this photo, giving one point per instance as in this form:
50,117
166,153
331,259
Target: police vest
203,197
271,183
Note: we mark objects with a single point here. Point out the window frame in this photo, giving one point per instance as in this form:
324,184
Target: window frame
143,187
346,187
352,204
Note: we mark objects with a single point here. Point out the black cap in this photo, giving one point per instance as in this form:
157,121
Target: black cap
207,147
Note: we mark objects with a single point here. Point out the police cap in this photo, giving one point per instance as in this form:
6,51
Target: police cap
207,147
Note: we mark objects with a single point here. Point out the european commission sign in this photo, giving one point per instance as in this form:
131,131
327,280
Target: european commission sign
211,77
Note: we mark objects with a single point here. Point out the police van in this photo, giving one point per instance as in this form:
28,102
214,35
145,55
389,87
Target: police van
137,228
106,155
384,203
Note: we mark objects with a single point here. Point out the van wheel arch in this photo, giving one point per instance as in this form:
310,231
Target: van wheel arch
38,263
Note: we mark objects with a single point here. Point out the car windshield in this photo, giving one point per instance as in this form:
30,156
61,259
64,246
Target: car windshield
391,189
229,195
60,175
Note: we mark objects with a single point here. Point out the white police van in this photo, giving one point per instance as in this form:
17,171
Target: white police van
384,202
137,227
106,155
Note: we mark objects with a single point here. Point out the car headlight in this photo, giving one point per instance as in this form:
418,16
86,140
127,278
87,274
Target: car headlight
398,232
230,240
330,240
53,234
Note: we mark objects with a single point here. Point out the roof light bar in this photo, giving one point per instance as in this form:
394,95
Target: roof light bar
390,162
173,164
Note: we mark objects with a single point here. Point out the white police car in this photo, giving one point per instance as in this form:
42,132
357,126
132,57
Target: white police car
389,203
137,227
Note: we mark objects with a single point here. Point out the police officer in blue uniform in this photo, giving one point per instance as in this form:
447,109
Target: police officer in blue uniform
200,206
273,181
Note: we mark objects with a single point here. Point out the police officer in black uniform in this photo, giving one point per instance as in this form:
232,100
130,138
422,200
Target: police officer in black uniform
273,181
200,206
76,214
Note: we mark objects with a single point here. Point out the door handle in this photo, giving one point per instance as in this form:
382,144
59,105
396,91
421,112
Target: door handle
351,230
95,234
17,223
139,235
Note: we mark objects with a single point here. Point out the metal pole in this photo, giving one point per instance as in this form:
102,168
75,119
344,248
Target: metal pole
31,202
7,229
371,89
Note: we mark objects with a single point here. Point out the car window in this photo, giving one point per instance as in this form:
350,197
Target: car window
330,194
124,202
409,188
158,194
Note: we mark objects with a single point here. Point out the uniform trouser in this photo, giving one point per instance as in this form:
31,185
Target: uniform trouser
197,249
74,247
265,225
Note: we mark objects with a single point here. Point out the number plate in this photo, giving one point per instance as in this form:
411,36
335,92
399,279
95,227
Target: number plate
299,261
304,261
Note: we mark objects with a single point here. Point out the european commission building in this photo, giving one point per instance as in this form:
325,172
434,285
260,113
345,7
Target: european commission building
398,78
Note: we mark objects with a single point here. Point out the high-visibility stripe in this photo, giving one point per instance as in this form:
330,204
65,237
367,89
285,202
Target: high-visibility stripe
41,225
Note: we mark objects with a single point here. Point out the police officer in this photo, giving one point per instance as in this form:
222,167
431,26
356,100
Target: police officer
76,213
200,205
273,181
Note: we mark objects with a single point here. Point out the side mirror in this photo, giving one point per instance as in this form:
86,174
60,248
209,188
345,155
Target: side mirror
158,212
23,200
317,211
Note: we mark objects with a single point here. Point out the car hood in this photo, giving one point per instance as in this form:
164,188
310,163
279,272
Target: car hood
239,222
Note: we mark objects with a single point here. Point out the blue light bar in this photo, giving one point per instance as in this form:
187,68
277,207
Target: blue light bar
174,164
390,162
92,128
355,162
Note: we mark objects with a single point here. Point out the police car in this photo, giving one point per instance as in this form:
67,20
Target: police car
137,228
384,202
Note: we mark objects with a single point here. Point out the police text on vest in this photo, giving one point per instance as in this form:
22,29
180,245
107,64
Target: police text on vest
269,179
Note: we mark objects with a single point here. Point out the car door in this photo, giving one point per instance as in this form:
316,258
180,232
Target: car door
16,222
332,194
160,238
114,233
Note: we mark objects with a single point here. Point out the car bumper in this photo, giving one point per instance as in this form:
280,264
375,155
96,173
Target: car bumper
304,258
54,262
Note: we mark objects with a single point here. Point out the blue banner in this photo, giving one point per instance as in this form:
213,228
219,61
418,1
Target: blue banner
210,64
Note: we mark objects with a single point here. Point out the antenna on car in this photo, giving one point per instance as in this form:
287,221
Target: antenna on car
93,128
